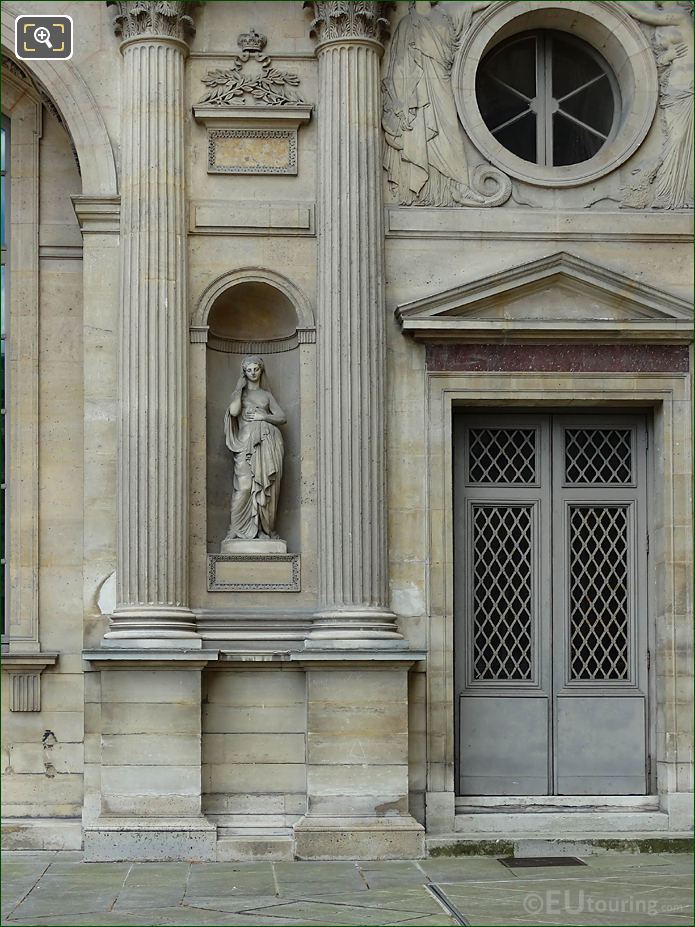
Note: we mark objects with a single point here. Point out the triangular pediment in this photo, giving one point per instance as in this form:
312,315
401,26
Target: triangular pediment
557,294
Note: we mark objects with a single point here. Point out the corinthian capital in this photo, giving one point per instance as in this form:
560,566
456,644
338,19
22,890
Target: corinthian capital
137,19
343,20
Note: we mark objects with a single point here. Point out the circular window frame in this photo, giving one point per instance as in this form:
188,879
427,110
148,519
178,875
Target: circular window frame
612,33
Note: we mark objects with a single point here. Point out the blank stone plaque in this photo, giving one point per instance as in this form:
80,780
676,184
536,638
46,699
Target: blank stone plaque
252,151
249,573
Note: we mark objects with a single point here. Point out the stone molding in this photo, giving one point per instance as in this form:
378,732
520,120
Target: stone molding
269,346
349,21
146,19
250,115
479,310
540,224
153,657
98,214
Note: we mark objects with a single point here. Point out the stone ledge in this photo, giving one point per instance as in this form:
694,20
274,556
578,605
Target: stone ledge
249,115
335,658
545,844
539,224
27,662
117,657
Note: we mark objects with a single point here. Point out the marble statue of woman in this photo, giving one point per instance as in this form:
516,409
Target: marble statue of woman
425,157
671,182
252,435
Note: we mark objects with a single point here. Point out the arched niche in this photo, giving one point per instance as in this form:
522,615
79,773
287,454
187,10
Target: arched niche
240,314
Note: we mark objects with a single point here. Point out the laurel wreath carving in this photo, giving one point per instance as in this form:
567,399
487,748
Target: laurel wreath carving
230,85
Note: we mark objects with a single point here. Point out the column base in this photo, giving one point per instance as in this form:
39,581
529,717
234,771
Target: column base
151,625
398,837
355,627
116,839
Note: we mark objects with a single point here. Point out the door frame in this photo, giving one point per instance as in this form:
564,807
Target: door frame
670,517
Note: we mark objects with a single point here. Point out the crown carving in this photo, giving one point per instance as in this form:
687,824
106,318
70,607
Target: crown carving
252,41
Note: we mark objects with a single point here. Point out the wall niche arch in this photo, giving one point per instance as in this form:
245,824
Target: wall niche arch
252,312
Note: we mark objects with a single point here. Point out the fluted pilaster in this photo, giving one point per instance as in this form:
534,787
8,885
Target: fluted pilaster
353,566
152,574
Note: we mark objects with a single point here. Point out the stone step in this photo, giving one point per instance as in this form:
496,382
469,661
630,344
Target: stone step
254,844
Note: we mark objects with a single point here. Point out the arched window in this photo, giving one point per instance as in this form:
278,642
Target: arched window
548,97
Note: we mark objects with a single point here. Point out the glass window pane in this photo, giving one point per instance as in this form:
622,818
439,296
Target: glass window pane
594,105
2,149
571,143
2,309
572,67
497,105
2,216
515,64
520,138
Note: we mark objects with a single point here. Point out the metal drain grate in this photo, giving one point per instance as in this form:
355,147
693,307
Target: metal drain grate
529,862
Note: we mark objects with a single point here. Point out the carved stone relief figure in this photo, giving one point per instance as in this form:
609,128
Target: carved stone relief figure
425,157
252,435
669,182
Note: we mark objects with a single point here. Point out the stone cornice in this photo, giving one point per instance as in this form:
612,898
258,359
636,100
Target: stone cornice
349,20
141,19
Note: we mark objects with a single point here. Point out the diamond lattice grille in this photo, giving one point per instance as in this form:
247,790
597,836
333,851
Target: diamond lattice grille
502,592
598,455
502,455
599,593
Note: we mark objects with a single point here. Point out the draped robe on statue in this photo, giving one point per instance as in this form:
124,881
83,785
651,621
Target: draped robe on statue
258,454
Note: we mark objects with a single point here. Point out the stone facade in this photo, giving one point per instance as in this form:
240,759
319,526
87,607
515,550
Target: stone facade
324,192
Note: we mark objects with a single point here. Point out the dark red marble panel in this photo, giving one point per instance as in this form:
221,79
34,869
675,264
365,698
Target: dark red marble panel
566,358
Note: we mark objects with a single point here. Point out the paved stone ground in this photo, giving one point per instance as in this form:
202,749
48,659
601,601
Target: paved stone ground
621,889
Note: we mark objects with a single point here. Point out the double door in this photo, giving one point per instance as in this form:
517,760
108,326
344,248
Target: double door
551,654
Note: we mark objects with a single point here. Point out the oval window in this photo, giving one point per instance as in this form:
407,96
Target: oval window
548,98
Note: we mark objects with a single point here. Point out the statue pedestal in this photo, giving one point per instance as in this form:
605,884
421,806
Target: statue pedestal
255,547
